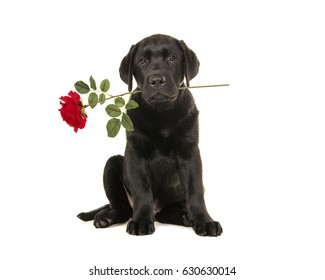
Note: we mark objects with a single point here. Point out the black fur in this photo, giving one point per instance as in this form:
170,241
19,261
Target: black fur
160,176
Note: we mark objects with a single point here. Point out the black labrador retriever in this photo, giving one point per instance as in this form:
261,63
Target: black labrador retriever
160,176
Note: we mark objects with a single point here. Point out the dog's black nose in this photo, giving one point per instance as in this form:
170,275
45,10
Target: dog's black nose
156,80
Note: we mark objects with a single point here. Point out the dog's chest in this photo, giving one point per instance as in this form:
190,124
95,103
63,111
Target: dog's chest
164,133
167,144
162,163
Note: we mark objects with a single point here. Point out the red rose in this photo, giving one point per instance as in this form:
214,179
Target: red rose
72,110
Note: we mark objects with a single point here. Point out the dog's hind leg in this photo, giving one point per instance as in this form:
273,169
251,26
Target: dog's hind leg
175,214
89,216
119,209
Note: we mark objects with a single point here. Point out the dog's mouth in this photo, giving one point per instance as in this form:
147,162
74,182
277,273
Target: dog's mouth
160,97
159,94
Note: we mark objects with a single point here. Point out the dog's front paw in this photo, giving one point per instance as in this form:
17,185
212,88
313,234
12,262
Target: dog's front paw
140,227
207,228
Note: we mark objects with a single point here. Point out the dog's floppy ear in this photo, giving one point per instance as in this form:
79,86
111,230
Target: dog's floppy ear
191,63
126,68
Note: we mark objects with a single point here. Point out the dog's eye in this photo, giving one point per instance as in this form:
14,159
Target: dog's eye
143,61
171,58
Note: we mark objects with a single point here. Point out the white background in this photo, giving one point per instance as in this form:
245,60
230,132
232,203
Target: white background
262,139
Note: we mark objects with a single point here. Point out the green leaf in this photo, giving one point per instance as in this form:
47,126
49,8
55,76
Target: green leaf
102,98
92,83
82,87
93,99
104,85
113,111
113,127
127,123
131,105
119,101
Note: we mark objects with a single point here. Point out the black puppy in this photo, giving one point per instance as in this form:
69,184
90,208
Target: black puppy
160,176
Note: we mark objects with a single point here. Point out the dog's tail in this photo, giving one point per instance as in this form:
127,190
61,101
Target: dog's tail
89,216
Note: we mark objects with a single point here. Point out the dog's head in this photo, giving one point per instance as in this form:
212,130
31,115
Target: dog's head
159,64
